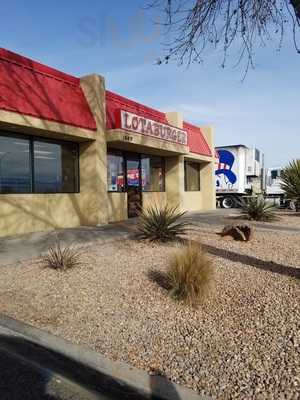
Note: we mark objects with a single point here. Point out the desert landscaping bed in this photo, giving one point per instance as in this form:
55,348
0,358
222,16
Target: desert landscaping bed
242,343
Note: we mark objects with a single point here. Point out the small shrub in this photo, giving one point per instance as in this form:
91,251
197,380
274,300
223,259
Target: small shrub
290,178
257,209
62,258
162,224
190,274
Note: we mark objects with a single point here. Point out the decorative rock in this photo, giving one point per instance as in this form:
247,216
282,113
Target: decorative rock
241,233
247,231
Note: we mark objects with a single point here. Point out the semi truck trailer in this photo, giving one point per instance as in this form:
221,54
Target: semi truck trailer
240,172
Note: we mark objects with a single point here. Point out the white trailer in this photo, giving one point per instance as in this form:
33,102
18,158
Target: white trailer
239,172
274,192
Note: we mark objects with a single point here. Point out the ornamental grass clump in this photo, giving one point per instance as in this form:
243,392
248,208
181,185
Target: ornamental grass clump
257,209
190,274
62,258
162,224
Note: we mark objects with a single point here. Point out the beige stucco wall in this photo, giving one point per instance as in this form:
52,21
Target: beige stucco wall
43,212
192,201
117,206
32,213
93,205
175,181
154,198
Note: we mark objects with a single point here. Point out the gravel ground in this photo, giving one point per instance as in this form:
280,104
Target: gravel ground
288,218
241,344
283,218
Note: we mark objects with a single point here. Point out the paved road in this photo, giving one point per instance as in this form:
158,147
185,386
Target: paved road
26,373
36,365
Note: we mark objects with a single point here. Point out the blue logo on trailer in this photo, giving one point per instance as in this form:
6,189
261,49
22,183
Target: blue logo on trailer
226,161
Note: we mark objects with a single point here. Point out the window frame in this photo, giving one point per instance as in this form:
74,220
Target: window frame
185,176
125,154
163,159
31,139
115,152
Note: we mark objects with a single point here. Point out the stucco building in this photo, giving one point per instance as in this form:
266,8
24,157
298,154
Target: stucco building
73,153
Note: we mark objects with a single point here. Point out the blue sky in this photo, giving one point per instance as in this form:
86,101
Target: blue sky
117,40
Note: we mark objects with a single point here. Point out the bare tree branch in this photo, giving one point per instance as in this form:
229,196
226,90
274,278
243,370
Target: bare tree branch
194,26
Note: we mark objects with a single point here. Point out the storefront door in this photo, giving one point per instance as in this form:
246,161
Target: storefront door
133,184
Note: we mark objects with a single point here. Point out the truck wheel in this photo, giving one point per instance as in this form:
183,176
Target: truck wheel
292,205
227,202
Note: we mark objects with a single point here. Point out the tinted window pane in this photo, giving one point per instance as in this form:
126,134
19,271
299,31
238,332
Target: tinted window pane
257,157
55,167
153,174
15,172
274,174
115,172
192,176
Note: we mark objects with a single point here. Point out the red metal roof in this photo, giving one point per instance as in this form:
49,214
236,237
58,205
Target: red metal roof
114,102
196,140
30,88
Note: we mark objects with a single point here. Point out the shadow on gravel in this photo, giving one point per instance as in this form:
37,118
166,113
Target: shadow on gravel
27,368
254,262
160,278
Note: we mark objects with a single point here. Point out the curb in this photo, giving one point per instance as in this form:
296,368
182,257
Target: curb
95,371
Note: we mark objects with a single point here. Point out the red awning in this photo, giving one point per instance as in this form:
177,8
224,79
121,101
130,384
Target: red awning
33,89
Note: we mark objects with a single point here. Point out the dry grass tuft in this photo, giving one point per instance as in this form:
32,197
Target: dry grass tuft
190,274
62,258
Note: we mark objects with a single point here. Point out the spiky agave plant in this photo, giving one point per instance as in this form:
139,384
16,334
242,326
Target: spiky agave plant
62,258
257,209
162,223
290,177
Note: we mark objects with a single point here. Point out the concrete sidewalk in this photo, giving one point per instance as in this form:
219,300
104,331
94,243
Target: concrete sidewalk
24,247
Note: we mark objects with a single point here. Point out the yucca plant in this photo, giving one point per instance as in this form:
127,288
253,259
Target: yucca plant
290,177
62,258
162,223
190,274
257,209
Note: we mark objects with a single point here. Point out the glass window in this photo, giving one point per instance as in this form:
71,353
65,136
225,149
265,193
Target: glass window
115,172
15,165
153,174
192,176
274,174
257,155
55,167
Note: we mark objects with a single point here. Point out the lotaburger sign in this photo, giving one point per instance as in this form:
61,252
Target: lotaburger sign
135,123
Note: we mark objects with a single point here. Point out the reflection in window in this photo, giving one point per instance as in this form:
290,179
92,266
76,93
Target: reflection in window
115,172
55,167
192,176
153,174
15,171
